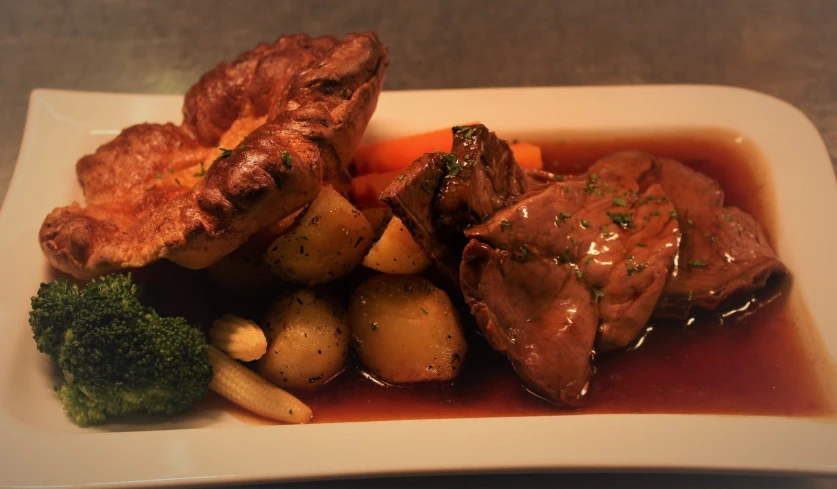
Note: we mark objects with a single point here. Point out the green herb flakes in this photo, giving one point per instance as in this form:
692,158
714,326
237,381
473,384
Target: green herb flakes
286,160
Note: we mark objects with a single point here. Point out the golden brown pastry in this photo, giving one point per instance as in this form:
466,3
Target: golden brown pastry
166,191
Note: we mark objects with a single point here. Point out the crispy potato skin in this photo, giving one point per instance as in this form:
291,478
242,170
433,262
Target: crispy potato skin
406,330
330,240
308,340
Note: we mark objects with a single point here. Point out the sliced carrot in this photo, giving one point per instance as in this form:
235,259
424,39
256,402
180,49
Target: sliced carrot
396,154
527,155
367,188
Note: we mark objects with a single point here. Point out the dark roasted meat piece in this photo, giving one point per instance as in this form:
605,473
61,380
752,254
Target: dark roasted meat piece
442,194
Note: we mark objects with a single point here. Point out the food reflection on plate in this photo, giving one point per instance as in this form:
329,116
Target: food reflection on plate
445,274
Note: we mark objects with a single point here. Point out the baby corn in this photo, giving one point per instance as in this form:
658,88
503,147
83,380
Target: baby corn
244,387
239,338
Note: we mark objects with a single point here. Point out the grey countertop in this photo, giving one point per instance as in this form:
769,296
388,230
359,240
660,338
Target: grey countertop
784,48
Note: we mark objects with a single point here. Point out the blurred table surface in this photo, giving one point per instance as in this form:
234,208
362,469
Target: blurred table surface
784,48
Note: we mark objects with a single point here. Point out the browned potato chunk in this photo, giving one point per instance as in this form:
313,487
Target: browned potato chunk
396,252
308,340
242,269
406,330
329,241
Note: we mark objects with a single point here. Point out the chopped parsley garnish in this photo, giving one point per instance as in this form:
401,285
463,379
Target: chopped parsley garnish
402,177
620,202
202,172
559,178
561,217
170,170
591,183
605,231
224,153
673,214
453,166
524,253
585,223
598,295
655,212
466,132
579,274
564,256
699,263
588,260
636,268
424,311
621,219
728,217
286,159
159,176
505,224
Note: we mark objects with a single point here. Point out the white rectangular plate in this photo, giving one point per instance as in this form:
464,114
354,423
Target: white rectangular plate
40,447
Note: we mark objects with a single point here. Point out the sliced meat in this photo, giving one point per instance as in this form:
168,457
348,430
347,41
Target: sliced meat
536,313
724,251
621,243
569,266
441,194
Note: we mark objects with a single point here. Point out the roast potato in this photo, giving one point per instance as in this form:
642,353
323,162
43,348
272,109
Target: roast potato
244,268
396,251
406,330
329,240
307,340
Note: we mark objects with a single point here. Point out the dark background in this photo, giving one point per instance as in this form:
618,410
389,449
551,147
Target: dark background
784,48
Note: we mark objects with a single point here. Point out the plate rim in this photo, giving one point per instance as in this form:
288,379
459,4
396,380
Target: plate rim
208,468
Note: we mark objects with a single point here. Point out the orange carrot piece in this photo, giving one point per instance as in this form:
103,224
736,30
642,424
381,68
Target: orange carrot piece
527,155
367,188
396,154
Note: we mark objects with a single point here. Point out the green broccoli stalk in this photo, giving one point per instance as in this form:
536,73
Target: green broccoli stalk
118,356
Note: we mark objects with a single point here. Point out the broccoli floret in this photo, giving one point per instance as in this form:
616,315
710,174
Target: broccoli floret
118,356
52,312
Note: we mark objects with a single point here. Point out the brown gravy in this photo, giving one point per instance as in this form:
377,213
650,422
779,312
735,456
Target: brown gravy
752,362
